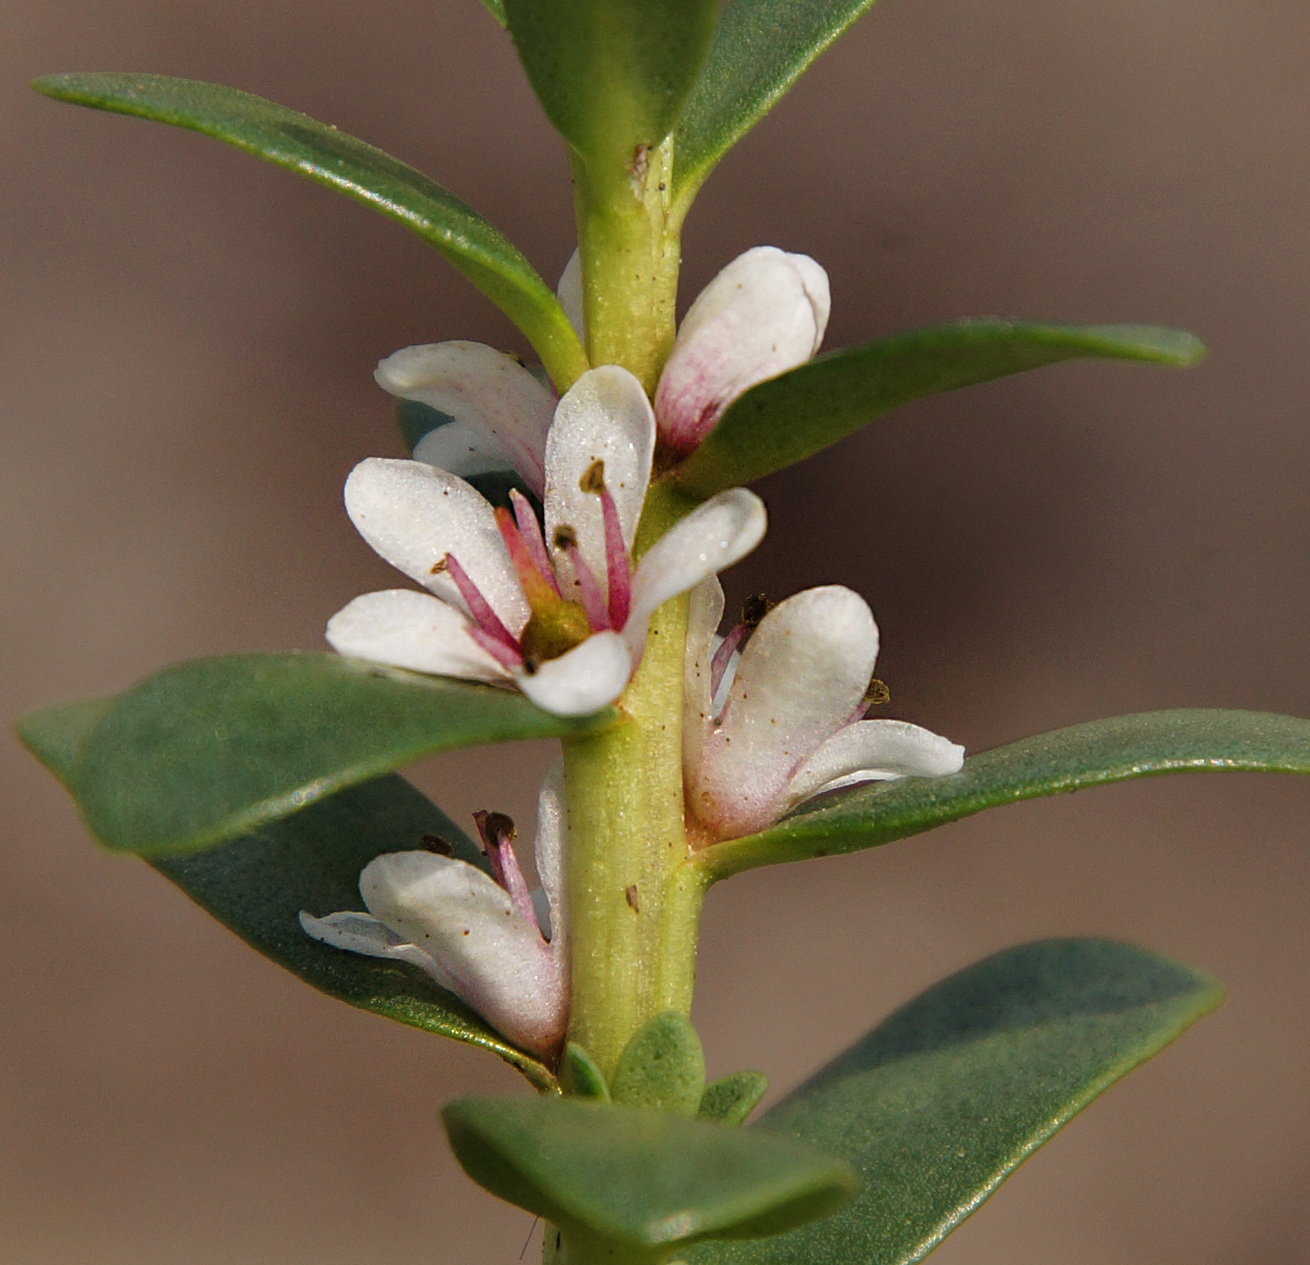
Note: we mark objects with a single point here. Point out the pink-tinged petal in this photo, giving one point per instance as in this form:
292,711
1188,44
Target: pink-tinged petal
501,406
704,611
712,537
362,933
569,293
605,417
802,672
414,515
765,313
495,959
411,630
549,851
585,679
873,751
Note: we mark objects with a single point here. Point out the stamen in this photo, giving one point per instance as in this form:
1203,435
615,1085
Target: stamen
753,610
508,657
498,832
617,565
530,530
479,607
875,696
539,592
566,540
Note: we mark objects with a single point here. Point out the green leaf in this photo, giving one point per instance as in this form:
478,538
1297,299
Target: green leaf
1189,740
258,884
54,734
793,416
731,1099
612,75
211,749
579,1074
939,1103
642,1182
360,171
661,1067
760,48
497,10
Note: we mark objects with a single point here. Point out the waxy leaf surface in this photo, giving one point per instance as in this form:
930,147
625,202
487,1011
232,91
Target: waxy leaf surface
361,171
257,885
760,48
793,416
641,1180
612,74
1189,740
211,749
939,1103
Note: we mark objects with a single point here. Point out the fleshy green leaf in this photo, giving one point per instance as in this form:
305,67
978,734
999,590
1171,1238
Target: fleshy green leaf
793,416
641,1181
760,48
612,75
54,734
661,1067
211,749
1184,741
497,10
938,1104
580,1075
732,1098
330,157
258,884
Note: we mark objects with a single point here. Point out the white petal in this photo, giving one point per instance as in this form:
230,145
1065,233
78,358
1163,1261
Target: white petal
584,680
803,672
496,960
480,386
411,630
549,850
873,750
605,416
704,611
765,313
414,515
463,448
713,536
569,292
362,933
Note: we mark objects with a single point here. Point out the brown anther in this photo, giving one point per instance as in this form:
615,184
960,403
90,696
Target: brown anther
565,537
754,609
593,478
435,843
515,357
877,693
497,826
439,566
630,895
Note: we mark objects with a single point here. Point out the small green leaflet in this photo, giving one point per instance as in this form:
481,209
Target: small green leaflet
801,412
760,48
1188,740
360,171
214,748
497,10
939,1103
635,1184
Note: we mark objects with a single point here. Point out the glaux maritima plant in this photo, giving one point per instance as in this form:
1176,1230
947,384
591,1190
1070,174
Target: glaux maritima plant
564,526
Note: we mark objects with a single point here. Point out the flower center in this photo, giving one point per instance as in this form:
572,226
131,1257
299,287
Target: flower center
553,630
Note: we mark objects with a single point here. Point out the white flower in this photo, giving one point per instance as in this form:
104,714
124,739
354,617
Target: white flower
562,615
480,938
765,313
788,723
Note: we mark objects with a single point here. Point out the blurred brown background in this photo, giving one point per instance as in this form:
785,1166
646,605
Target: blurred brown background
186,344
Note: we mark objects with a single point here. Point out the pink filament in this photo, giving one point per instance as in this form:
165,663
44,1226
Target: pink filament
505,870
509,657
589,591
616,562
487,619
723,656
530,530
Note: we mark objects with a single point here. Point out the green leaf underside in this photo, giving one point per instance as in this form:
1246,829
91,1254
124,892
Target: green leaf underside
801,412
940,1102
258,884
612,74
580,1076
350,166
54,734
1189,740
212,749
661,1067
642,1180
760,48
731,1099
